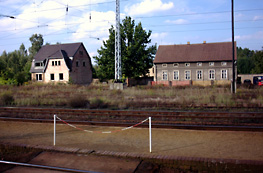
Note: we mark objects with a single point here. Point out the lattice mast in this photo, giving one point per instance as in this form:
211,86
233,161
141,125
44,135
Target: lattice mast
117,43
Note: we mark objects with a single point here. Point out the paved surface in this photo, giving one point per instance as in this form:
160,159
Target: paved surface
185,143
81,162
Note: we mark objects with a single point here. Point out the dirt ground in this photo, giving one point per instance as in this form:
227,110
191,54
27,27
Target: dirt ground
187,143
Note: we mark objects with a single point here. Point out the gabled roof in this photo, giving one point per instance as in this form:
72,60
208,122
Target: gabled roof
195,52
49,51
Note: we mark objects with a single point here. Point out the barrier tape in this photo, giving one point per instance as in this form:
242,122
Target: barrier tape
126,128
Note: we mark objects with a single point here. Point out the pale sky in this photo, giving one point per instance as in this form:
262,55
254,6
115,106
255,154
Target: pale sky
171,21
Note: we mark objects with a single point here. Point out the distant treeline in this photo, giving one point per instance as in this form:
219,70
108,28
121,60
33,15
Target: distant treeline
249,61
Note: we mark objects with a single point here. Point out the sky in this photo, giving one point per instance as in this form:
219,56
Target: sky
89,21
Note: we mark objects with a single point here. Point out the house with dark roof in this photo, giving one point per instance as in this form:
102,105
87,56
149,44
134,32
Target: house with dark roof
62,63
197,64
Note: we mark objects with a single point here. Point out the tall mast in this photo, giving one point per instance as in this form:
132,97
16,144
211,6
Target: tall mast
117,43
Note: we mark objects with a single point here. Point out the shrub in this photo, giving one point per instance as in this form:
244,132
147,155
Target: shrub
98,103
78,101
7,98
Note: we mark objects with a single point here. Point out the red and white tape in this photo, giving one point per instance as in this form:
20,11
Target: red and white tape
126,128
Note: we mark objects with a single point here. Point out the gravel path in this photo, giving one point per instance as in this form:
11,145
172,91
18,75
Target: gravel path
187,143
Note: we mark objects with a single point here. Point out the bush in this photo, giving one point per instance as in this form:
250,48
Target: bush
98,103
78,101
7,98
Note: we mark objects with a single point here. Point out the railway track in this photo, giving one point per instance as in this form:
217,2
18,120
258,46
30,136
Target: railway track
205,120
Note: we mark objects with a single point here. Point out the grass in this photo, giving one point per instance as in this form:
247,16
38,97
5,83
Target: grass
140,97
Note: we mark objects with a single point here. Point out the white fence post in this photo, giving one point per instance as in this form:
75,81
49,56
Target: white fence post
54,130
150,133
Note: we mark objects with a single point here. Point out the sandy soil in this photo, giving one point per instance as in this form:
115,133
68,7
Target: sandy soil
188,143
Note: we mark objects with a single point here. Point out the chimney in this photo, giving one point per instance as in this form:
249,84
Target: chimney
204,42
188,43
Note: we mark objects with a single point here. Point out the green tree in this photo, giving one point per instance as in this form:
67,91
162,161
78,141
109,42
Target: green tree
37,42
245,61
136,54
258,60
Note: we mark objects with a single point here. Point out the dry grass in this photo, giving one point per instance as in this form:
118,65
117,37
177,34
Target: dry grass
141,97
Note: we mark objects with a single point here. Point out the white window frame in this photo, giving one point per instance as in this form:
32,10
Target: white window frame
185,75
223,63
199,76
163,73
62,76
214,74
176,64
53,76
164,65
211,64
224,73
199,64
187,64
37,77
175,75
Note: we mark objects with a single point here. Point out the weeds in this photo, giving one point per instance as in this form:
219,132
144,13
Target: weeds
149,97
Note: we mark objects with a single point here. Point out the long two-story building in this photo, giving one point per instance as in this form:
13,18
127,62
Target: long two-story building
196,64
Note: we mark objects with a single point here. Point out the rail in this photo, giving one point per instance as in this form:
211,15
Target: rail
160,119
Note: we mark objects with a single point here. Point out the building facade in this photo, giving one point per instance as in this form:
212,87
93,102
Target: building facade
62,63
197,64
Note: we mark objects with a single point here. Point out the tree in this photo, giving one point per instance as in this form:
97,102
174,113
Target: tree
258,60
37,42
136,54
245,62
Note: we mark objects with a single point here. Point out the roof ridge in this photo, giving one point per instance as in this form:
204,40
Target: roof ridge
197,43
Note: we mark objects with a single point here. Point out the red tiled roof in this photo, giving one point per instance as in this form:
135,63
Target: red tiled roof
195,52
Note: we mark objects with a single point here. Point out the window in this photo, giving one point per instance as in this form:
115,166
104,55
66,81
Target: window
39,77
211,63
176,64
199,74
38,64
199,64
52,77
84,64
59,63
81,52
60,76
176,75
211,74
224,74
187,74
56,63
53,63
164,65
77,63
223,63
165,76
187,64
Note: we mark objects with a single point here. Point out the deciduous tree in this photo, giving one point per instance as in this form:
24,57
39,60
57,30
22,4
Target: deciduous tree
136,53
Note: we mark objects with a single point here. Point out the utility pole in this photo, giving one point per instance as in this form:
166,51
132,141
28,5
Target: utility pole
233,52
117,44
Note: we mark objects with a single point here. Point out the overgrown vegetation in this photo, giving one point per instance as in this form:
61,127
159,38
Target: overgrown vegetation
140,97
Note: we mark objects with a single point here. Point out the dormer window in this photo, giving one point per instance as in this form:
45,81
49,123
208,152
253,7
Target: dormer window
187,64
38,64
